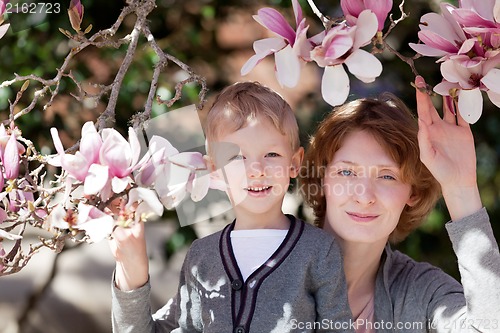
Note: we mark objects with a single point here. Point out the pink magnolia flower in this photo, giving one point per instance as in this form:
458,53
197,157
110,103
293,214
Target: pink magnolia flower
341,45
467,40
441,35
75,13
96,224
466,80
155,163
117,160
480,18
188,174
147,203
5,27
77,165
289,47
10,151
10,158
353,8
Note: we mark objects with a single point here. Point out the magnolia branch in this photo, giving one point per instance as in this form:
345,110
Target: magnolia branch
32,182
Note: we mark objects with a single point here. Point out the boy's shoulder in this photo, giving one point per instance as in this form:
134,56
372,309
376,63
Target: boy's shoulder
209,241
313,233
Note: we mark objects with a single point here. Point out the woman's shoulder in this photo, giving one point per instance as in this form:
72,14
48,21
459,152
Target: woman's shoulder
403,272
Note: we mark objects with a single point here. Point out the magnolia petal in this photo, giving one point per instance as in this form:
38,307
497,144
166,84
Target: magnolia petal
470,104
447,12
352,8
135,147
96,179
97,229
335,85
366,28
287,67
381,8
297,10
200,186
441,26
252,62
339,46
160,143
496,11
274,21
3,29
3,215
427,50
174,197
445,87
302,46
11,158
494,97
91,142
470,18
190,160
365,66
456,73
467,45
57,141
118,185
147,196
492,80
116,153
436,41
56,218
263,48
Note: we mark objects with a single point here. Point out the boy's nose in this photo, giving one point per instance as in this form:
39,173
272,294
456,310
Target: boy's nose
255,169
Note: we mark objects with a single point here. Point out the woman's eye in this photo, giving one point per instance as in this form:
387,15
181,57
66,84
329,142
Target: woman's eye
388,177
345,173
272,155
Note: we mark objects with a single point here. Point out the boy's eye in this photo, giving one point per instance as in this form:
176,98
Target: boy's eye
272,155
236,158
345,173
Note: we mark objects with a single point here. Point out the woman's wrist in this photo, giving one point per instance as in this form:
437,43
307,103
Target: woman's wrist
462,201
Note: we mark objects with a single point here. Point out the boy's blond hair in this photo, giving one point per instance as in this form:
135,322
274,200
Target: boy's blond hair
242,102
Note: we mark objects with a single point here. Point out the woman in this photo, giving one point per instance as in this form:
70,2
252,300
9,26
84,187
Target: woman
371,182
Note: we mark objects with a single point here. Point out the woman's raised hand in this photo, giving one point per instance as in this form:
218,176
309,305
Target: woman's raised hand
447,149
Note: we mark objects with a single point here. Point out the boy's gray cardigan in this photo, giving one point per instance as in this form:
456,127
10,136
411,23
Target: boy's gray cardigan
300,288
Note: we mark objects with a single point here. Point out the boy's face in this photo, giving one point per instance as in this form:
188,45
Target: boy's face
256,162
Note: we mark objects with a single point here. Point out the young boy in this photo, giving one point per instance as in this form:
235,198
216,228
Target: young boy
266,271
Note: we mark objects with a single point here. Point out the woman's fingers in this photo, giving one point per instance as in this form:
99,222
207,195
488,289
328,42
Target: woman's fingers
425,109
424,143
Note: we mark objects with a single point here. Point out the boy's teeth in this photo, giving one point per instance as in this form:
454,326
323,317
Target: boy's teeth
258,188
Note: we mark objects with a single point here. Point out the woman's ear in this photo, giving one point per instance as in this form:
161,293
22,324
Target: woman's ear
297,158
412,201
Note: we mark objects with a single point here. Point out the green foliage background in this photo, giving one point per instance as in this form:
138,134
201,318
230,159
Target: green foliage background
187,29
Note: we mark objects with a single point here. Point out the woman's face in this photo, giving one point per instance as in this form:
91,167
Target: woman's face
364,192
